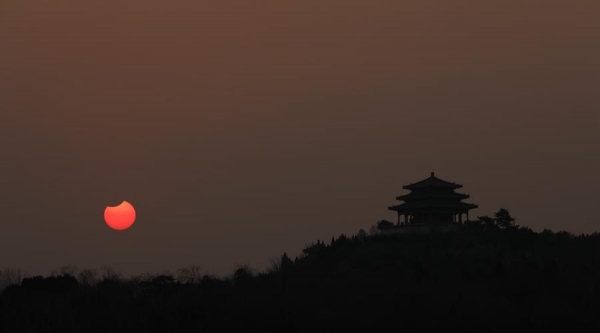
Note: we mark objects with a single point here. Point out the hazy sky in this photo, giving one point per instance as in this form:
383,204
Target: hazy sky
243,129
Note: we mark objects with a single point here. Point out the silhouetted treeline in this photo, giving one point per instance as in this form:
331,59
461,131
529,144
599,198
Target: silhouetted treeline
488,277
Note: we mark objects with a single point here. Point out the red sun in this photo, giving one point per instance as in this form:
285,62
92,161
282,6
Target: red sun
120,217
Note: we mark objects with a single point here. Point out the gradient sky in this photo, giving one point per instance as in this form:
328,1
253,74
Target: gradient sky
241,129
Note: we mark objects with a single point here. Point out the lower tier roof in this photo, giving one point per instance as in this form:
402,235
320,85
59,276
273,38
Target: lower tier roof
433,206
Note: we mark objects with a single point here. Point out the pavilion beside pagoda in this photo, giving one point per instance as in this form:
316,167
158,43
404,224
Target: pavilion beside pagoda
431,204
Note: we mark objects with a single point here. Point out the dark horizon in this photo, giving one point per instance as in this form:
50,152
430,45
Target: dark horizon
240,131
491,275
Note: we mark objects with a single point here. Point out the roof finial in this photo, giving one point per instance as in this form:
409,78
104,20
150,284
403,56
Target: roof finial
432,174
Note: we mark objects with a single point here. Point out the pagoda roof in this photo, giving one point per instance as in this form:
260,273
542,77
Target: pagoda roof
423,195
432,182
432,204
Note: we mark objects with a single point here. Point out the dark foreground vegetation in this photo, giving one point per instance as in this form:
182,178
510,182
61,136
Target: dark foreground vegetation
487,277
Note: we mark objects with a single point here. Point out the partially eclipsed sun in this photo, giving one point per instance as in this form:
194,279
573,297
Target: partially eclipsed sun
120,217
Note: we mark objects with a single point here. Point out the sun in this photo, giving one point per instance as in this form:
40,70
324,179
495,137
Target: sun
120,217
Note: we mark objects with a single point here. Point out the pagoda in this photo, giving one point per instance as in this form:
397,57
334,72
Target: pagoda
432,202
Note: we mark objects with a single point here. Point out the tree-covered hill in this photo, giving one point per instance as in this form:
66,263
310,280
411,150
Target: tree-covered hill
485,277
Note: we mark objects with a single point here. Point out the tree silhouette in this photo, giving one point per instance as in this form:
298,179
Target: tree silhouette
10,276
190,274
504,220
107,273
286,262
384,223
87,277
72,270
242,273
